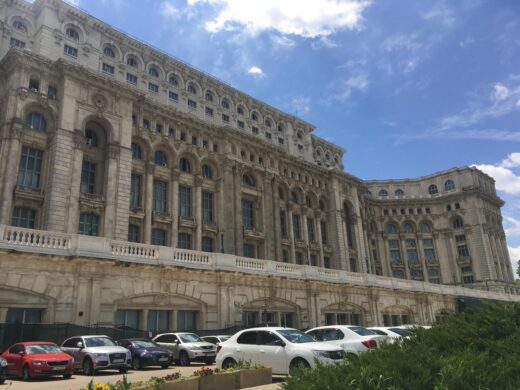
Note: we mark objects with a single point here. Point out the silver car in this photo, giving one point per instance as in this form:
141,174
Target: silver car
187,347
96,353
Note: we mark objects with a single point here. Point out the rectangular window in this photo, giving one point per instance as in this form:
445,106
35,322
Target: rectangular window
173,96
194,140
158,237
280,141
127,318
186,321
52,92
326,261
185,202
395,256
427,242
159,196
29,171
393,244
207,244
192,103
412,256
184,241
88,224
183,136
16,43
215,148
468,279
249,250
353,264
70,51
296,227
146,124
88,177
135,191
240,124
209,111
249,318
463,250
397,273
310,229
131,78
313,260
24,316
158,128
429,255
158,321
225,118
299,258
207,206
285,255
107,68
153,88
323,232
248,214
254,130
433,272
460,238
133,233
23,217
283,224
268,135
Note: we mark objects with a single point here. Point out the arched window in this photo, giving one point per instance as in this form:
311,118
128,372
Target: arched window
399,193
173,80
391,228
153,72
425,227
268,123
20,26
160,158
136,152
383,193
294,197
281,194
109,52
308,201
184,165
432,189
132,61
322,205
280,127
72,33
254,116
449,185
36,121
408,228
240,110
207,172
225,104
91,138
248,181
192,89
299,134
458,223
209,97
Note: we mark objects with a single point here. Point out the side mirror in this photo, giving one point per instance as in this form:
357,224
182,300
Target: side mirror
279,343
79,345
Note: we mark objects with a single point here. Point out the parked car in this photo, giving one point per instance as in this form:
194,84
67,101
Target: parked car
96,353
393,333
217,340
147,353
37,359
3,370
187,347
280,348
353,339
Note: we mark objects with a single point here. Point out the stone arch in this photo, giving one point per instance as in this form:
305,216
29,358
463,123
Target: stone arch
196,84
48,112
75,24
193,160
16,297
244,108
229,100
277,306
213,93
214,165
140,61
157,66
179,78
166,148
145,145
103,125
115,47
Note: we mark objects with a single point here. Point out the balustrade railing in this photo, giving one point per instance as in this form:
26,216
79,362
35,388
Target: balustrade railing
134,250
191,257
35,238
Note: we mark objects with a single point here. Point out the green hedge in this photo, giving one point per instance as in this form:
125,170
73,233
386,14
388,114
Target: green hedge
473,350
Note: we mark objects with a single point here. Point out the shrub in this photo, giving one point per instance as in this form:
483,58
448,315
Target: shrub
473,350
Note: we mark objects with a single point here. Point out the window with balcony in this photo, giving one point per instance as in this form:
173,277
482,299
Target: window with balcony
158,237
207,206
30,168
248,220
159,196
207,244
133,233
23,217
185,201
184,241
89,224
88,178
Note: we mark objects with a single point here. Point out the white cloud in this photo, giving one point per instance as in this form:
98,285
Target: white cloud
168,9
514,255
512,226
282,40
440,12
72,2
300,105
513,160
359,82
256,71
500,92
308,19
506,180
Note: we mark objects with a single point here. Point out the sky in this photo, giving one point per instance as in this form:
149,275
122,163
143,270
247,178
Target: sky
408,88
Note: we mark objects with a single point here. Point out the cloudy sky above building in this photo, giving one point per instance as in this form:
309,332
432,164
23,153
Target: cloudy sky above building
407,87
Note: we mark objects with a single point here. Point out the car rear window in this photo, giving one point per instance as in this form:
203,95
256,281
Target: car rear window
362,331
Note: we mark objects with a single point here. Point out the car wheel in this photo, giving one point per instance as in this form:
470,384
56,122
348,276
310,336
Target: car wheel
299,363
88,367
67,376
26,373
165,366
184,359
228,363
136,364
123,370
209,361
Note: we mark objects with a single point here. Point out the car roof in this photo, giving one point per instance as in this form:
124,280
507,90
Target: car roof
91,336
336,326
269,328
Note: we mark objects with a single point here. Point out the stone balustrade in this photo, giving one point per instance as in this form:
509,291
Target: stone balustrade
39,241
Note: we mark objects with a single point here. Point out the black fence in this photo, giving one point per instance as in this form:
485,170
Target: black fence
13,333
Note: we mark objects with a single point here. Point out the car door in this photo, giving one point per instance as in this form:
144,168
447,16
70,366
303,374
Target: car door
332,336
246,347
171,342
70,347
271,352
14,359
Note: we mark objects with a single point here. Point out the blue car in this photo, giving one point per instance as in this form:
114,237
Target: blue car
147,353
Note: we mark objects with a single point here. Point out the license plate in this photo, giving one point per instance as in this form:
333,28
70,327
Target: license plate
163,359
58,368
118,360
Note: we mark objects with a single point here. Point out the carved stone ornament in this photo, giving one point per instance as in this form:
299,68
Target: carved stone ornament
79,139
99,101
22,93
161,300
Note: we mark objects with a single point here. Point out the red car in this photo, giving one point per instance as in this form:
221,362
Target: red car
37,358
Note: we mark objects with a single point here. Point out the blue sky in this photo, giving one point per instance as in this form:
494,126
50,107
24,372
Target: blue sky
407,87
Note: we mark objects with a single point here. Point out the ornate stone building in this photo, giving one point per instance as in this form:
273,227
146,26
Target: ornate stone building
136,190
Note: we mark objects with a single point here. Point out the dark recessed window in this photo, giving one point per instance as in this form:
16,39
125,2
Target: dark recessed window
13,42
209,111
153,88
70,51
36,121
72,34
192,103
107,69
225,118
173,80
109,52
131,78
173,96
153,72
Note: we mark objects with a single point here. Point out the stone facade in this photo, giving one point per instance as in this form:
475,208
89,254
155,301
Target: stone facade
105,136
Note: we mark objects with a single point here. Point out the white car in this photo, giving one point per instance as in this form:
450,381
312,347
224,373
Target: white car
280,348
353,339
393,333
217,340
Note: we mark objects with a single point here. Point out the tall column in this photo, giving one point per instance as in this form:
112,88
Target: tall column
57,175
228,204
269,217
305,234
111,181
220,211
404,257
384,254
122,210
174,197
277,236
495,258
148,202
238,226
422,259
317,221
197,181
291,231
338,238
358,234
11,158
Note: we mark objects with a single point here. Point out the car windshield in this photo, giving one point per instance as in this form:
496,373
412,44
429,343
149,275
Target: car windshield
42,348
145,344
401,332
362,331
296,336
99,342
224,338
189,338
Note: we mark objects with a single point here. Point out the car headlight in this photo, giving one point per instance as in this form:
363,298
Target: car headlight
104,355
38,362
323,354
3,362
